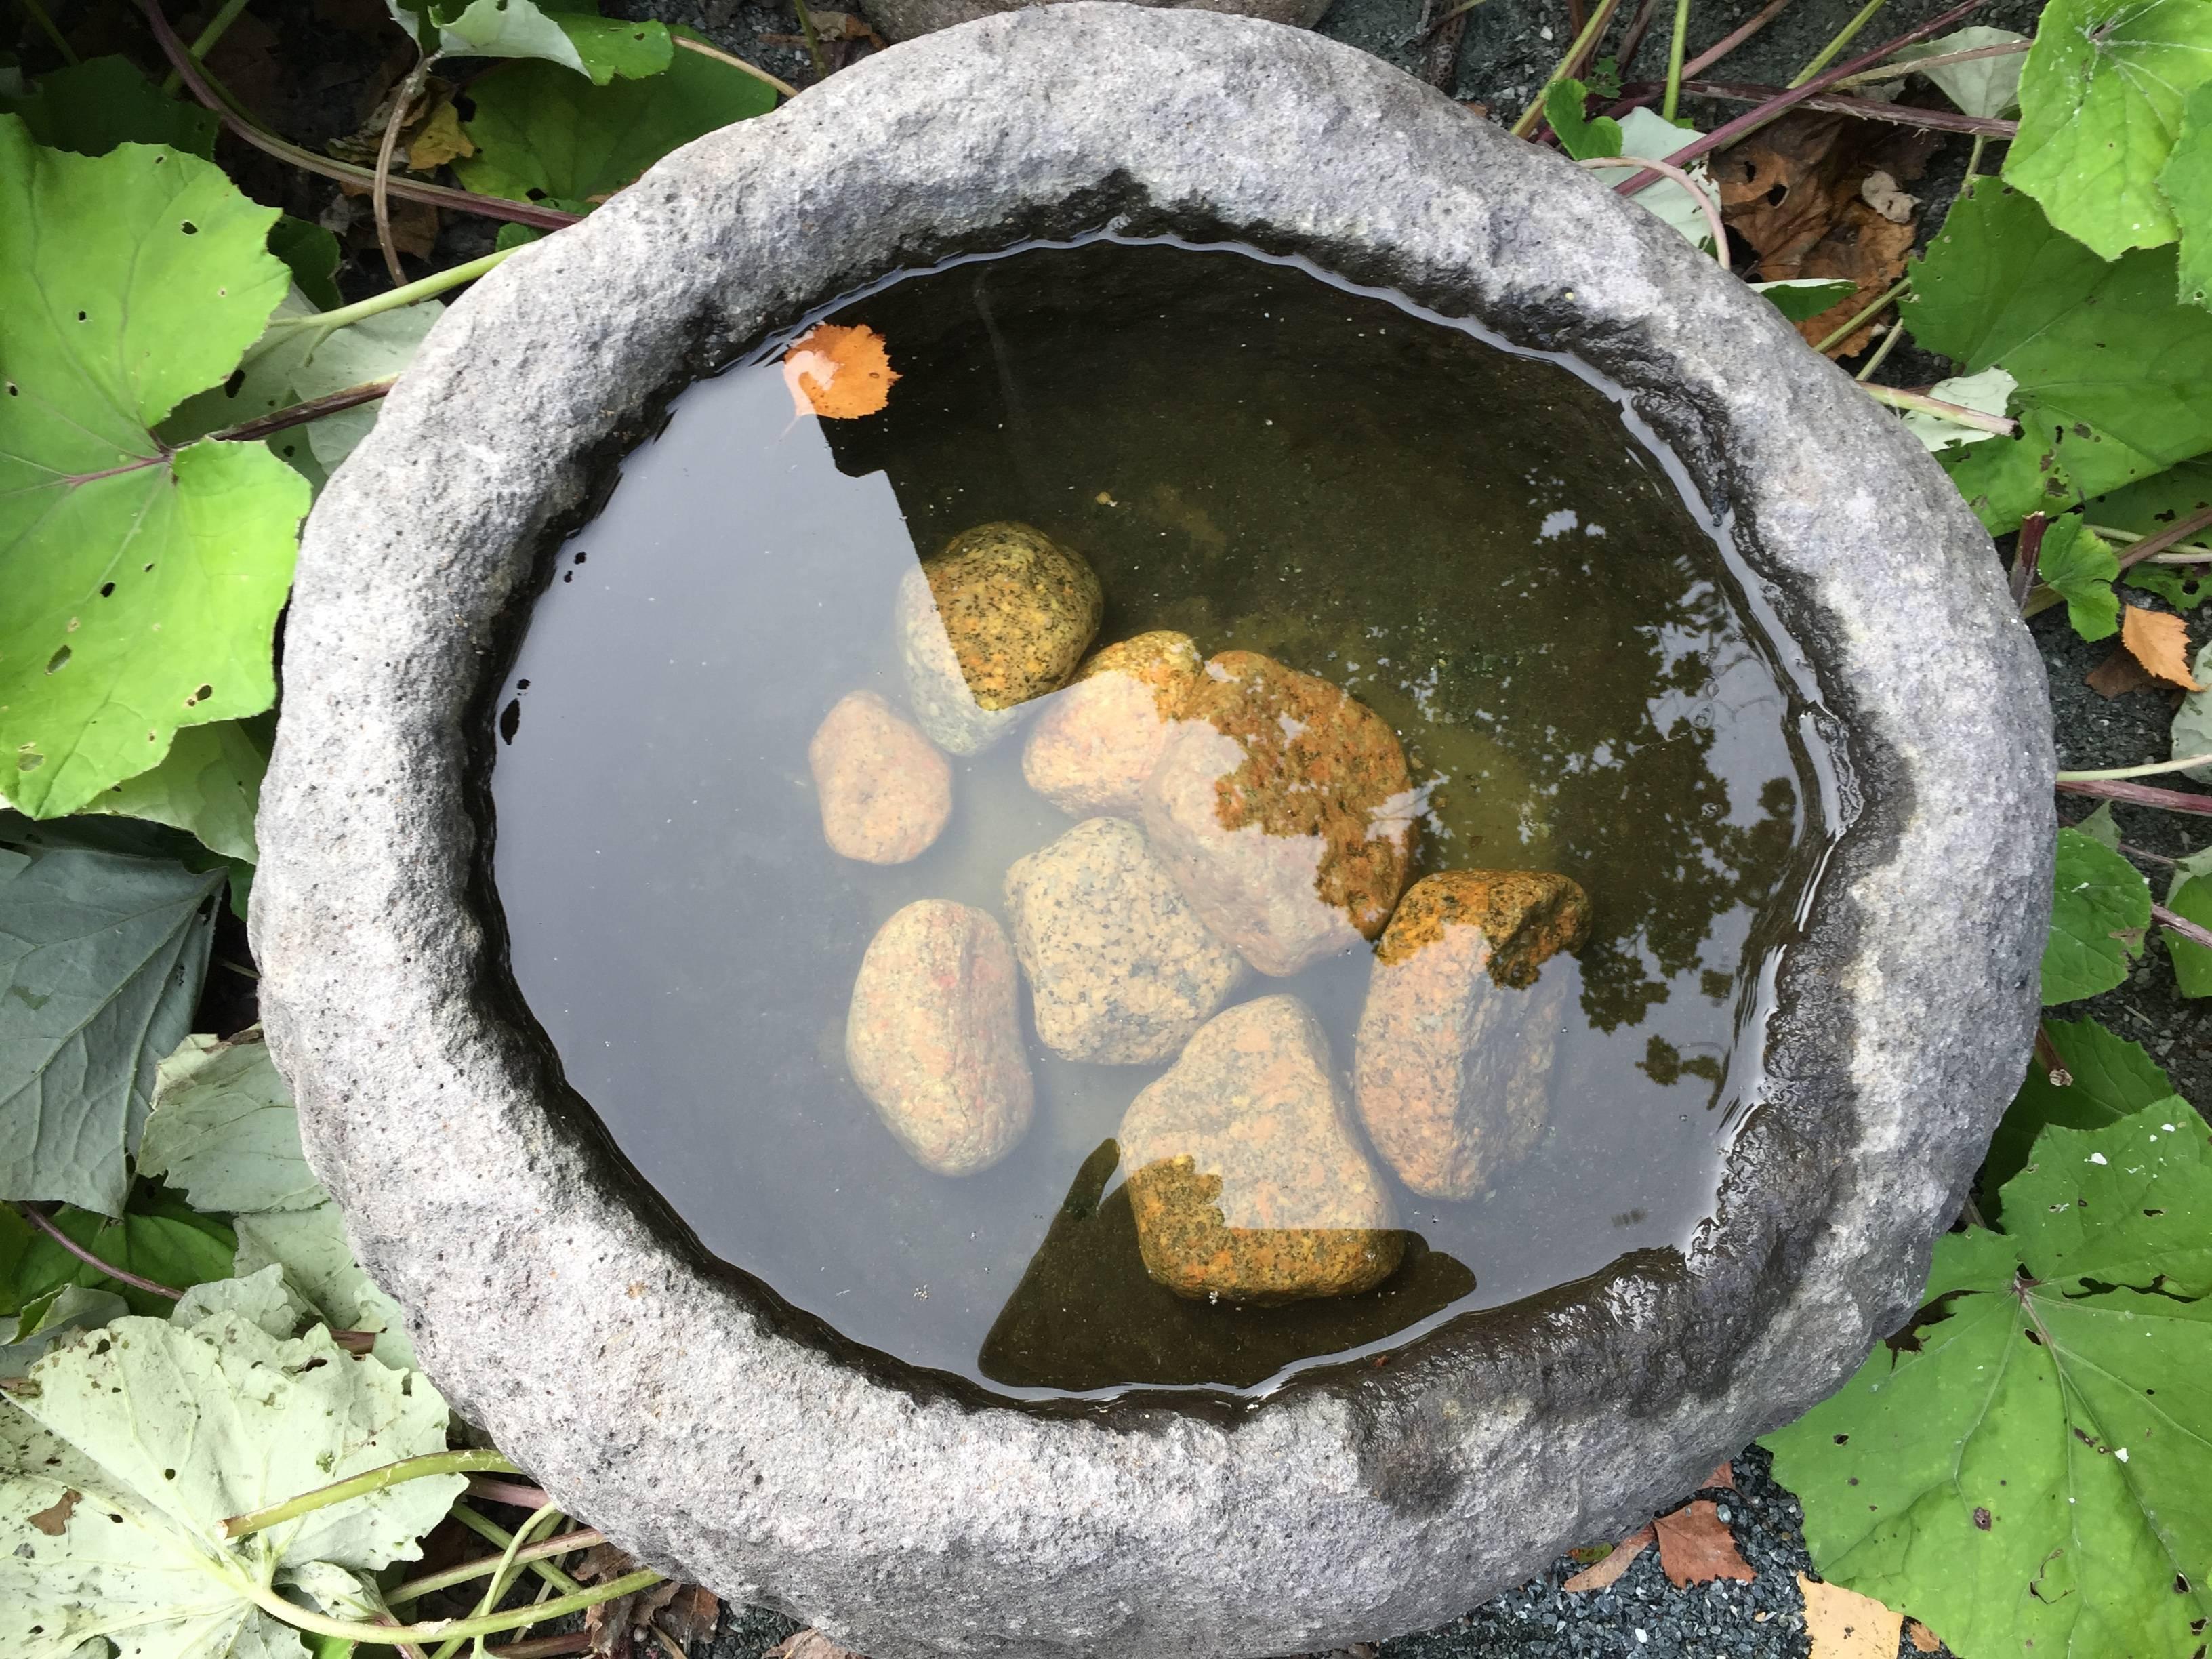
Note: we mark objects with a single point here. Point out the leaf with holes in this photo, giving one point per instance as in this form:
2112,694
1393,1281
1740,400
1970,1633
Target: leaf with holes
2098,917
109,1518
101,955
2025,1467
143,585
573,36
2186,183
541,135
2100,101
2107,1077
208,786
2111,369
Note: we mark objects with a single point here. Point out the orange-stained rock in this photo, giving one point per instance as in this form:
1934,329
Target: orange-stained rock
933,1038
1246,1175
886,792
1002,615
1282,807
1096,742
1453,1071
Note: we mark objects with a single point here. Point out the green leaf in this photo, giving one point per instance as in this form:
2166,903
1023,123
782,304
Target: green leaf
1579,135
2111,369
93,107
2111,1079
1981,86
310,1246
2006,479
2192,901
1800,297
101,956
2100,106
223,1417
311,255
1990,391
2097,918
142,588
2101,827
542,135
54,1318
573,36
224,1130
160,1237
2025,1471
1647,133
2076,560
2192,722
262,1298
2186,183
208,785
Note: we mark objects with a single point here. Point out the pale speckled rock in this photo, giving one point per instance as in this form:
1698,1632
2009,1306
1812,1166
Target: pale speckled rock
1248,1180
902,20
1096,742
1002,615
1122,970
1452,1072
885,791
1282,807
914,1518
934,1040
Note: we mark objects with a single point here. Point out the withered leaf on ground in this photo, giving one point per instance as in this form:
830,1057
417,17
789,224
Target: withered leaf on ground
1924,1639
610,1623
2159,641
2118,675
690,1617
429,133
1606,1573
1695,1546
808,1645
1724,1475
1845,1625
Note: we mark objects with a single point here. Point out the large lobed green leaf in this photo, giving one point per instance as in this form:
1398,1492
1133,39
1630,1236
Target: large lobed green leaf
572,35
93,107
2026,1470
2107,1078
2098,914
2100,102
2111,368
2186,183
101,956
158,1237
142,586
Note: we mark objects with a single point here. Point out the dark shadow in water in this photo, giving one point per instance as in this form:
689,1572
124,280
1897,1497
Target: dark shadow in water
1086,1315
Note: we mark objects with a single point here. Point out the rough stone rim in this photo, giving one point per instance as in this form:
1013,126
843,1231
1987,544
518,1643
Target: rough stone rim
713,1437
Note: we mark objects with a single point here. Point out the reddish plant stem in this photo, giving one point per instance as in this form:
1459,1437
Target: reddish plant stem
1728,43
2141,794
1866,109
460,201
40,1219
2181,925
2029,549
300,413
2048,1057
544,1647
494,1490
1775,108
2179,531
1638,27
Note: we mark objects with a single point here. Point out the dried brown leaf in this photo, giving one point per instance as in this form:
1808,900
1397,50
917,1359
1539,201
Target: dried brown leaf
1924,1639
2118,675
438,139
808,1645
1605,1573
1696,1546
692,1615
838,372
2159,641
53,1520
1724,1475
1845,1625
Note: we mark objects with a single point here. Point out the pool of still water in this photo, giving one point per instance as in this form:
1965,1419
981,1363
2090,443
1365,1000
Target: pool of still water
1477,542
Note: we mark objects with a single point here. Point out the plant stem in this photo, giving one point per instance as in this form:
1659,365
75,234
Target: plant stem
2180,531
501,1575
300,1618
2146,854
299,414
2172,555
1674,48
1668,170
1845,36
1864,109
2025,554
1638,27
1974,160
1874,309
758,73
813,40
544,1647
496,1535
37,13
359,1485
1921,65
1773,110
506,1492
379,188
1591,31
551,1549
1957,414
208,37
1881,353
1728,43
2142,795
203,86
44,1222
2181,925
2150,769
395,299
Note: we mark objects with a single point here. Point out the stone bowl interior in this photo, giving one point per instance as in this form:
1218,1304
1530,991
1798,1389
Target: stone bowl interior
714,1432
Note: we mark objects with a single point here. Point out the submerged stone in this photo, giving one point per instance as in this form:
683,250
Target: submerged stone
1002,615
1282,805
1120,968
1247,1181
886,792
1097,741
933,1040
1453,1071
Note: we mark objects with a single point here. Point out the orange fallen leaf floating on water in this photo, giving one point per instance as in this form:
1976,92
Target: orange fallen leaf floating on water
1845,1625
1603,1575
838,372
1695,1546
2159,642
